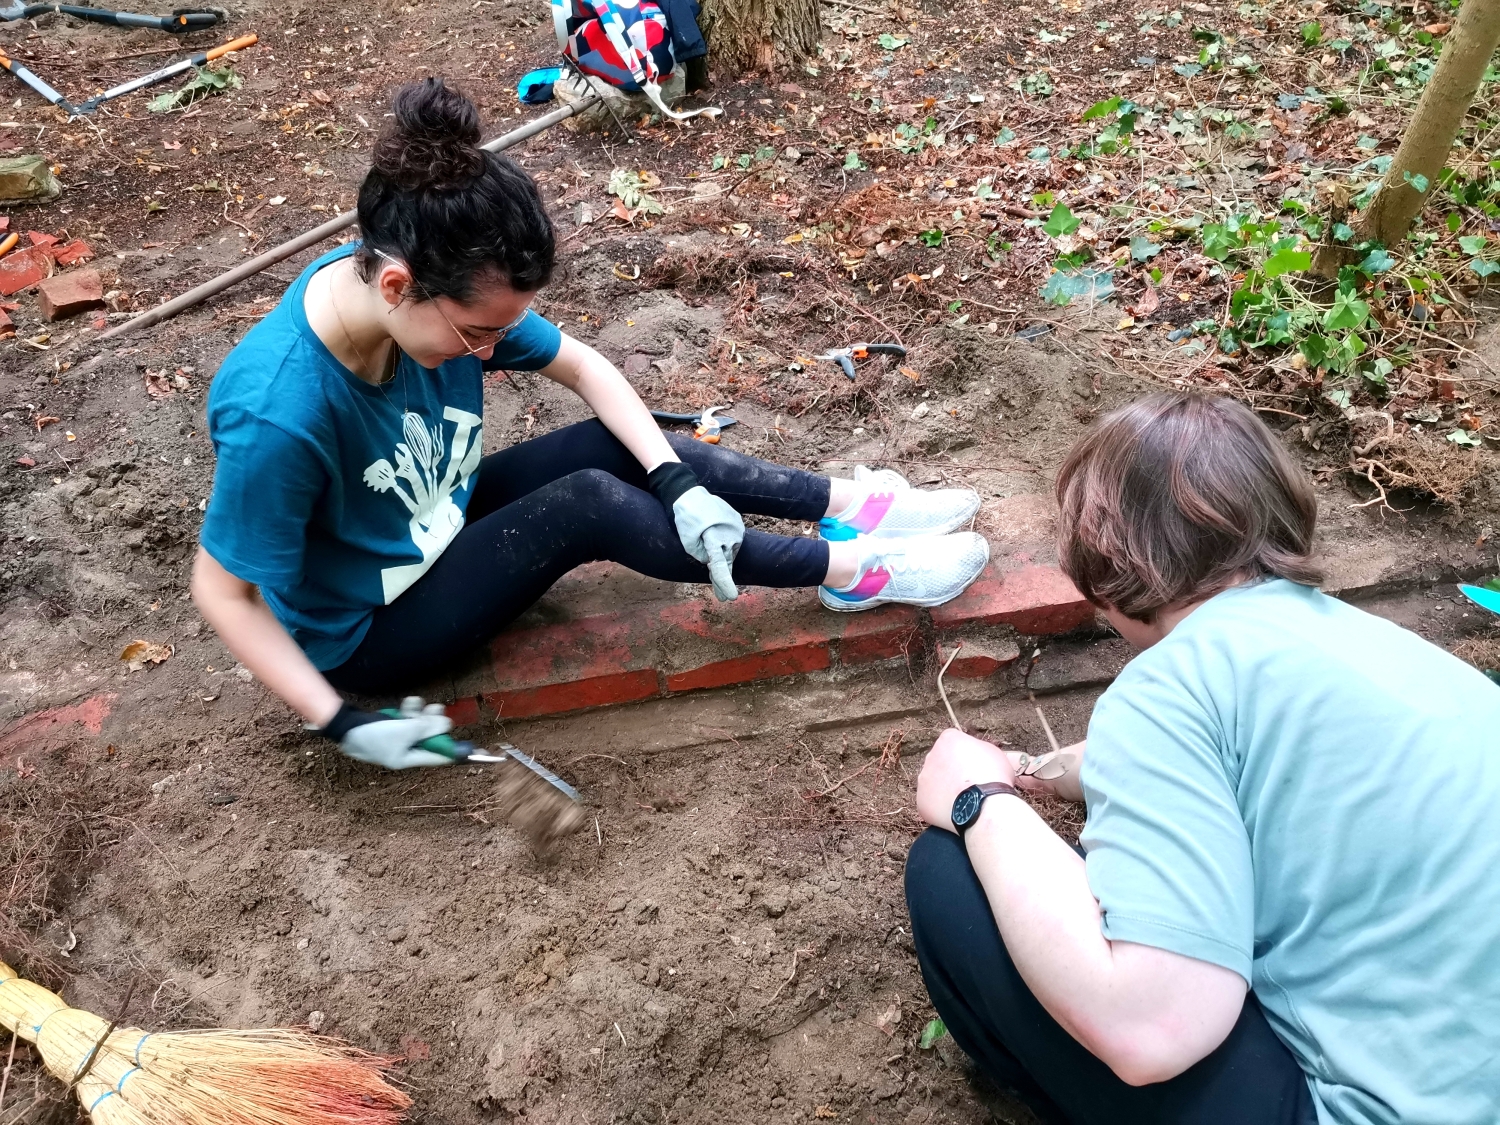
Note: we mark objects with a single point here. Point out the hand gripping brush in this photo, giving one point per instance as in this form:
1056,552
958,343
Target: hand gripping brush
125,1076
529,795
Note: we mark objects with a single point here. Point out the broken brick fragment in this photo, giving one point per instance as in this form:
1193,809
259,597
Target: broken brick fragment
978,660
6,327
22,269
68,294
72,252
41,238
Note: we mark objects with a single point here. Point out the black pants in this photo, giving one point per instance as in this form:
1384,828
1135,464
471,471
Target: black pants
541,508
1251,1079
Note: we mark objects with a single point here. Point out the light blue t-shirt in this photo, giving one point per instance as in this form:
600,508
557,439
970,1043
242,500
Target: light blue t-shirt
1310,796
333,495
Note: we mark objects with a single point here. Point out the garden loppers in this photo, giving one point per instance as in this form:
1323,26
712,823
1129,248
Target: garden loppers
176,23
189,63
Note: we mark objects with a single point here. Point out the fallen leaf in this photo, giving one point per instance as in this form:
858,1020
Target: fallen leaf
1438,28
1150,301
158,383
889,1019
320,96
137,654
46,420
911,373
172,146
825,1113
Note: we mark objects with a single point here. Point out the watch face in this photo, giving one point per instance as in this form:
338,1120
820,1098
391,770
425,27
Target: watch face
966,806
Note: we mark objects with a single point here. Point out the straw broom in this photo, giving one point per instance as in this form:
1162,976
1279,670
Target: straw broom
125,1076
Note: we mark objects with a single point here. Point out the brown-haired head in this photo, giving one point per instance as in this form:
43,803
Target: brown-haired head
1176,497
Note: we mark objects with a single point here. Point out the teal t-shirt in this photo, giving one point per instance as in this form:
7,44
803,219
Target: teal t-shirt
1310,796
331,494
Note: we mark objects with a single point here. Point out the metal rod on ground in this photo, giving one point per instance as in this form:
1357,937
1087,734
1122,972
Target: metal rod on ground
317,234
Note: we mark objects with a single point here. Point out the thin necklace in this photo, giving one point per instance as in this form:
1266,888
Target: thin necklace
389,373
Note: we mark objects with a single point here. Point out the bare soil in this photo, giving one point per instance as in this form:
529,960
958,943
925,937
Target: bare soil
726,941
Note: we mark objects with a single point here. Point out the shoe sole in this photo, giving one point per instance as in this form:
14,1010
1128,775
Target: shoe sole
922,603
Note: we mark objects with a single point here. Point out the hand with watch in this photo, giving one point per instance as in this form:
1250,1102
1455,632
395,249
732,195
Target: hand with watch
958,776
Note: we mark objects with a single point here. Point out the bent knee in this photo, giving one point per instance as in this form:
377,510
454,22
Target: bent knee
937,869
591,487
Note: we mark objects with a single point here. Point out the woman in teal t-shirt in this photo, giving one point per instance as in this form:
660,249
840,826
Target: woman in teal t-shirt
1288,909
358,539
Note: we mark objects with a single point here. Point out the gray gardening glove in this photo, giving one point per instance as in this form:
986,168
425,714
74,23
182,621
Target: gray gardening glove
385,741
711,531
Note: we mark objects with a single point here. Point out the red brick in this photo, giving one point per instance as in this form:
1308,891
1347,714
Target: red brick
1036,600
32,732
811,656
38,238
22,269
555,699
69,294
6,327
464,712
979,660
879,634
73,252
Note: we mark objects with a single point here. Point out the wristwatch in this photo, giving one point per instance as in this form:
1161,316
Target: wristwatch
968,804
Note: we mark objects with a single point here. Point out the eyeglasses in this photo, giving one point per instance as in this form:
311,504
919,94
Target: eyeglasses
474,342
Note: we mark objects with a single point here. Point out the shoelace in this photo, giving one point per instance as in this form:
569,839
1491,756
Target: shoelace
898,560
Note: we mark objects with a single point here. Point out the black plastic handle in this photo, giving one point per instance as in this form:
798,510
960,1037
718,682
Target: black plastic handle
177,23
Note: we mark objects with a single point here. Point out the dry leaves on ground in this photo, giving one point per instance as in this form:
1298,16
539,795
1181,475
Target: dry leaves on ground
137,654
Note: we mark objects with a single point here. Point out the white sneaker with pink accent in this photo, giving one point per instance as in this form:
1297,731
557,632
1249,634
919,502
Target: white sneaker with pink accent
892,509
924,571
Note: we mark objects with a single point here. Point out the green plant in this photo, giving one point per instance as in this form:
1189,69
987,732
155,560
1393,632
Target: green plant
205,83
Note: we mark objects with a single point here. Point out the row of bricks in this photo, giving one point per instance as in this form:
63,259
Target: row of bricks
643,654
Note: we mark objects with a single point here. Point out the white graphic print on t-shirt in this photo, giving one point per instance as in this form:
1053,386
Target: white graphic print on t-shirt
435,518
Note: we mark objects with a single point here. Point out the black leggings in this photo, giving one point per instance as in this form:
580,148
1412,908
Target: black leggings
541,508
1250,1079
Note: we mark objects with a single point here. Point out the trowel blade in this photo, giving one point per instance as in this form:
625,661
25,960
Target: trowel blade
1486,599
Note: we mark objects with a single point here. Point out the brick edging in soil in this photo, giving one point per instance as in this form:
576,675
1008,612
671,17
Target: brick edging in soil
655,650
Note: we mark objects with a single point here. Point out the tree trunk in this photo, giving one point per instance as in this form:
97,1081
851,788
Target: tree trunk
746,35
1424,150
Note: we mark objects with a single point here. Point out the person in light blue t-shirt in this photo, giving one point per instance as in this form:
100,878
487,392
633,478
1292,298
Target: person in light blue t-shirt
1286,909
359,539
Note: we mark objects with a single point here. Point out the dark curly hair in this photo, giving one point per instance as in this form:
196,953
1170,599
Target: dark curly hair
447,208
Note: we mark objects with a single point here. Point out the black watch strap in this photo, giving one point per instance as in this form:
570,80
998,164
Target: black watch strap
981,793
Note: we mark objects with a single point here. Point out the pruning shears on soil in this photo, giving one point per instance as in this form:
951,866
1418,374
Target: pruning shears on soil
845,357
705,426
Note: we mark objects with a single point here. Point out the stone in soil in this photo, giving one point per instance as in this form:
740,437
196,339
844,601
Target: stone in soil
27,178
71,293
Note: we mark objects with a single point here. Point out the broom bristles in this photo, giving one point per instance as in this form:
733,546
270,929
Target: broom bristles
277,1076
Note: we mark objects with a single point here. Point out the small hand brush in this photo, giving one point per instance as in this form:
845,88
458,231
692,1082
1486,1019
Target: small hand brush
532,797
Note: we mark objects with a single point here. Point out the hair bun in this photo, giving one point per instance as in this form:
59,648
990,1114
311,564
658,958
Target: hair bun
432,140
